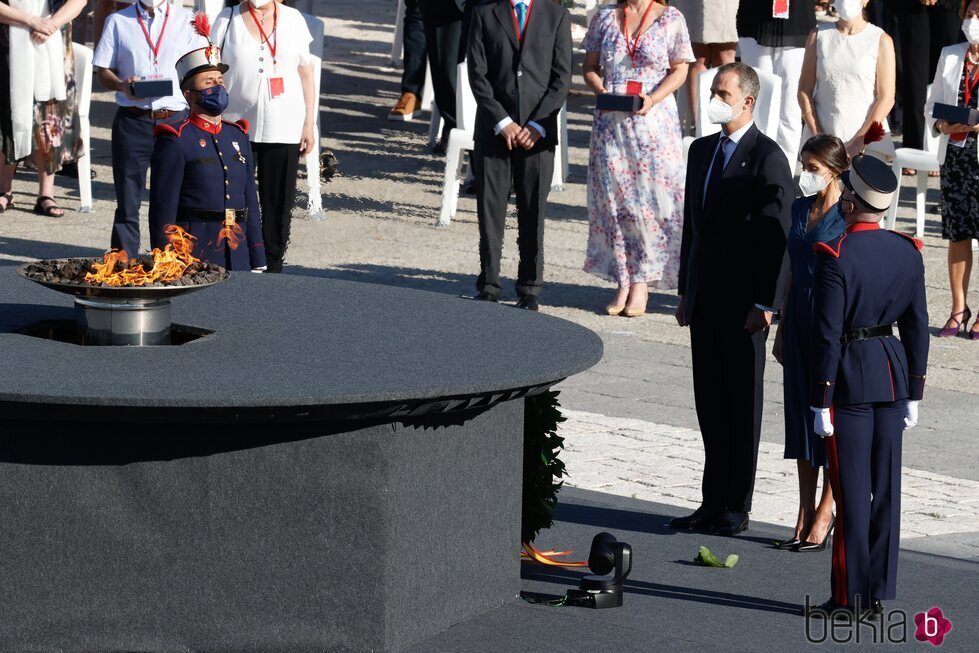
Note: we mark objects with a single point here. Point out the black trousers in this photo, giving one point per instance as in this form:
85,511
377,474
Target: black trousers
443,34
923,31
728,385
413,77
864,458
276,166
132,147
529,174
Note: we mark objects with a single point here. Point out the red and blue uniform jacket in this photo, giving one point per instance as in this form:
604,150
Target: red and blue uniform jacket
198,166
869,277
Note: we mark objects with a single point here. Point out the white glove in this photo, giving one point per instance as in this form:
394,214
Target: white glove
822,422
911,414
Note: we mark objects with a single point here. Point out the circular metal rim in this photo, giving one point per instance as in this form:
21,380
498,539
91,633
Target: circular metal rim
115,293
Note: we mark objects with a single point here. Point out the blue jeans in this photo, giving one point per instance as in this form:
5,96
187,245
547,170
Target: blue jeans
132,147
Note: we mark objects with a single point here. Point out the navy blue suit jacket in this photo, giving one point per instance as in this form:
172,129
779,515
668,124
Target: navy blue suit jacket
867,277
211,168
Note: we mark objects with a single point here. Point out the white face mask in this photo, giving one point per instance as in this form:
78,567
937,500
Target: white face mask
152,3
970,27
258,4
720,112
811,183
849,9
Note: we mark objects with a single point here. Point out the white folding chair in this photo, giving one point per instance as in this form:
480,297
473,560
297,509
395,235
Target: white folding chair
460,141
561,151
924,161
767,106
315,202
687,142
83,81
428,92
399,34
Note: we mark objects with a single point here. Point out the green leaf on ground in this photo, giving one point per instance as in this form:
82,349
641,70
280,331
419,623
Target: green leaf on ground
707,559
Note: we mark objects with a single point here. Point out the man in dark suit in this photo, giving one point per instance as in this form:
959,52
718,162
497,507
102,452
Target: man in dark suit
866,280
739,194
520,73
443,20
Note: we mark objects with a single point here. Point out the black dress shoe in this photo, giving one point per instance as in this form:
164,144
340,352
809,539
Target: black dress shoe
483,296
876,608
528,302
729,522
468,188
699,519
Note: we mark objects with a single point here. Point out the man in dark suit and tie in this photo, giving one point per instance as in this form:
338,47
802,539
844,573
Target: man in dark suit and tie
520,73
739,193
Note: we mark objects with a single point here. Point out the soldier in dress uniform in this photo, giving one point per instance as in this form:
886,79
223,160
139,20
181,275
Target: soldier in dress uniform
866,382
203,173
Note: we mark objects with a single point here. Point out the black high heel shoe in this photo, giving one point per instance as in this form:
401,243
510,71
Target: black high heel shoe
806,547
786,544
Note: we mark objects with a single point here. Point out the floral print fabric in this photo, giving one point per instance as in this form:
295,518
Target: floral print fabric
635,165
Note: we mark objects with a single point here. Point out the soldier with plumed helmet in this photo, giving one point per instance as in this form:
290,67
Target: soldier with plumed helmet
203,172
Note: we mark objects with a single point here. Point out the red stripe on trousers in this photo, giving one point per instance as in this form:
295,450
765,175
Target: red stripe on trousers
839,547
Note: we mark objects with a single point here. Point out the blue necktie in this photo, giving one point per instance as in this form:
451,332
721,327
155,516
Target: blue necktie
521,16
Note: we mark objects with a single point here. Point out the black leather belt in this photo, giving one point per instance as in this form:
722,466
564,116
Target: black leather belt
863,333
201,215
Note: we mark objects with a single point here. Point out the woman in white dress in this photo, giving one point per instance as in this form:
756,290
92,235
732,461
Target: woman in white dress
271,86
848,80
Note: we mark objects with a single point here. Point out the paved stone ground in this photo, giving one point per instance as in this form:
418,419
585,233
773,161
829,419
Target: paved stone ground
379,228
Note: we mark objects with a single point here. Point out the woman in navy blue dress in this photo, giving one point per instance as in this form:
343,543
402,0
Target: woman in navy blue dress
815,218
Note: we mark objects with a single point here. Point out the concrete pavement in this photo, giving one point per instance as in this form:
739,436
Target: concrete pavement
379,228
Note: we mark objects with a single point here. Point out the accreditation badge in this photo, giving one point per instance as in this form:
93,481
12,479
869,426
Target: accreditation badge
780,9
633,87
277,88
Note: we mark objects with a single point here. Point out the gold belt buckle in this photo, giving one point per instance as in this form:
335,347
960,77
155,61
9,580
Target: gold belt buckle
229,217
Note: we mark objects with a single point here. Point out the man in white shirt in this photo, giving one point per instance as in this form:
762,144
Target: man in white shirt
142,41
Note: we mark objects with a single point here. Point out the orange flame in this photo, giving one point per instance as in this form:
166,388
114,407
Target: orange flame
231,232
547,558
117,269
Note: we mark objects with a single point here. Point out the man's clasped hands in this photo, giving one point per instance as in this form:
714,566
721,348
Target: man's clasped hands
517,136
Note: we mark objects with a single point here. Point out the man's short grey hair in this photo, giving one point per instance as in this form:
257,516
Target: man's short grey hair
747,77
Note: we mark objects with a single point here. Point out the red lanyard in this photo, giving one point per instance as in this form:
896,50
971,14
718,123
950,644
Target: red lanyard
154,48
526,21
967,86
633,46
275,23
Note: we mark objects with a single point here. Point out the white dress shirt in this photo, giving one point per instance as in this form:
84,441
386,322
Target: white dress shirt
730,144
506,121
123,48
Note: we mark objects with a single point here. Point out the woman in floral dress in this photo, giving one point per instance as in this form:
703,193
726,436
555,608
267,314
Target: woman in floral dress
635,164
